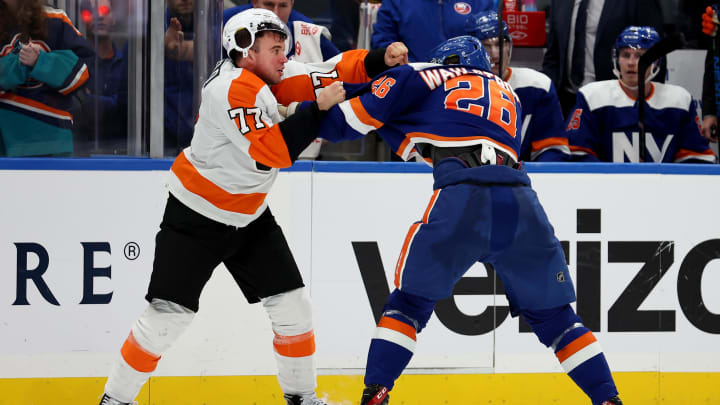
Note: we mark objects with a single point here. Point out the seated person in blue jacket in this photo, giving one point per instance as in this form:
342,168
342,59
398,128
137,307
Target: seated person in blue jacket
44,62
102,125
543,130
603,125
423,24
313,40
464,121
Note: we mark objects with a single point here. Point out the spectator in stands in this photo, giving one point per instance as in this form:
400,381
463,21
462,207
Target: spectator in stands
308,42
542,130
604,122
179,117
423,24
43,63
710,108
103,120
577,52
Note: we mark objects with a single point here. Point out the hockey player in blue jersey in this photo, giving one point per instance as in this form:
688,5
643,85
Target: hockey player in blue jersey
464,121
603,125
543,131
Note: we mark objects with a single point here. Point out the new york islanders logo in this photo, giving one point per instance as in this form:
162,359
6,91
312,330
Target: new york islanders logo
462,8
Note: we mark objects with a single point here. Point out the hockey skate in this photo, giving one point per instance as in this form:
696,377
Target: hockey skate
375,394
108,400
311,399
613,401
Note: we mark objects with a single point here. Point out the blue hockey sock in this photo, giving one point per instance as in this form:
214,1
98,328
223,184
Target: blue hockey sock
395,337
576,348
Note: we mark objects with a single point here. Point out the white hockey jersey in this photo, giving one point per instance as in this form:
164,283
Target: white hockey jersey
218,175
238,145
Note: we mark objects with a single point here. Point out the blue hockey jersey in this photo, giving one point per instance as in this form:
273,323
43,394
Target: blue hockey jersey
543,130
422,103
603,125
35,102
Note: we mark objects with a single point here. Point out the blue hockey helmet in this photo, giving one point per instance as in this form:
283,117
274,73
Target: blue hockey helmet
463,50
635,37
485,26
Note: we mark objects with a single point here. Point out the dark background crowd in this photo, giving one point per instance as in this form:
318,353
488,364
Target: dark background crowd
98,96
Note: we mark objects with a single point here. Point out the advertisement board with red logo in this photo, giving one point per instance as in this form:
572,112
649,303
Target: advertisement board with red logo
527,28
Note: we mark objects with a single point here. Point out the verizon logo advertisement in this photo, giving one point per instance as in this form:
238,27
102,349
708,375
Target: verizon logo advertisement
75,267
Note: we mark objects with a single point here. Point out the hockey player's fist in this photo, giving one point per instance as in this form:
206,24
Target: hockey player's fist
396,54
331,95
710,20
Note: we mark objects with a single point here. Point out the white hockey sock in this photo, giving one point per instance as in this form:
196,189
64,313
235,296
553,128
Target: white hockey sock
294,342
156,329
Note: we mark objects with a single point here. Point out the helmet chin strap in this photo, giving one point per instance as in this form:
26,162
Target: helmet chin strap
653,72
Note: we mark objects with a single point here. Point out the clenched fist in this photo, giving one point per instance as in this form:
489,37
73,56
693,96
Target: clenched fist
330,96
29,54
396,54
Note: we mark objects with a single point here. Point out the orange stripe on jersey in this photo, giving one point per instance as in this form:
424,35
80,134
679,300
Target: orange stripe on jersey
398,326
430,206
244,89
64,17
548,142
462,138
362,114
267,144
686,153
295,346
35,104
575,346
295,88
401,260
574,148
268,147
351,67
137,357
647,97
194,182
84,76
403,145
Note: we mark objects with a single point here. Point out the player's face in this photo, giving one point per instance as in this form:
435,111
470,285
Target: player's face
270,58
492,47
281,8
628,60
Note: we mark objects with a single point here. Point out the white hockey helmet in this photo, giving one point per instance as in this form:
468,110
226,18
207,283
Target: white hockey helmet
254,20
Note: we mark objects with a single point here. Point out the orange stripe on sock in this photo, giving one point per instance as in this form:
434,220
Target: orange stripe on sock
295,346
137,357
394,324
575,346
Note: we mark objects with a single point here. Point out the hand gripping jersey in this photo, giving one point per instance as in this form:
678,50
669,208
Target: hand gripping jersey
603,125
238,146
419,104
543,135
304,81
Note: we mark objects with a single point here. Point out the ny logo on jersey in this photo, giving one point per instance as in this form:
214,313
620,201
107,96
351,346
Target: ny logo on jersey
623,147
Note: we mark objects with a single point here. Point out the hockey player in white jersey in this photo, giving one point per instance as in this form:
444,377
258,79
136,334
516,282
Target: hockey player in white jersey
217,213
543,135
603,125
